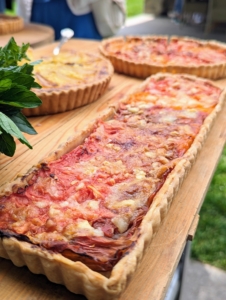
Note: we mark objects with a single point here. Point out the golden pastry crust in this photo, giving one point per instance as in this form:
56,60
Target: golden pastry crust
152,63
10,24
70,80
77,277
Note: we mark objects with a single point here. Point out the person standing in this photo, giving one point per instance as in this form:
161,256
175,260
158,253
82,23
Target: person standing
85,17
177,9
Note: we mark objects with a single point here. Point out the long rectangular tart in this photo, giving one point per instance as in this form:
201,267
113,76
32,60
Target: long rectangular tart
86,214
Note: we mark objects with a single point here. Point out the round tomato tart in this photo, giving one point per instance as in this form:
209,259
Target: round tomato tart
97,206
70,80
147,55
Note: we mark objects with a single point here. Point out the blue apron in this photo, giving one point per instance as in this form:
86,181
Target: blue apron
58,15
2,6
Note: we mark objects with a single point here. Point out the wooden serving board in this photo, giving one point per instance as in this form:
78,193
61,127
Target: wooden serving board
36,35
153,276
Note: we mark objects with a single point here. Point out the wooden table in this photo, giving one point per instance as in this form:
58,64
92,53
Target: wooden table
36,35
156,270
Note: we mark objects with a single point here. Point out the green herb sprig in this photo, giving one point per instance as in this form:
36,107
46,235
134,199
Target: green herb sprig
15,84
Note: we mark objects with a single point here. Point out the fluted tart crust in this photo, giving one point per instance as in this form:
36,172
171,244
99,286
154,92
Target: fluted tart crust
147,55
10,24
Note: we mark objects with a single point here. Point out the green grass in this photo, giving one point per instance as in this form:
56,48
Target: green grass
209,245
13,11
134,7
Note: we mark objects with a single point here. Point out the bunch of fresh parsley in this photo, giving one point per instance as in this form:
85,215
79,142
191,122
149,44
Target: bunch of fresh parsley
15,84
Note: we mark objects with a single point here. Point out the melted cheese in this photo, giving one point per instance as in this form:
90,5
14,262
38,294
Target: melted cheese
121,223
81,228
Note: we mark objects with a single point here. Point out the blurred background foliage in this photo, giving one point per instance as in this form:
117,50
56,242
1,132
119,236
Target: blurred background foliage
134,7
209,245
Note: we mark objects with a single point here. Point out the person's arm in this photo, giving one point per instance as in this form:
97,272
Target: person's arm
109,15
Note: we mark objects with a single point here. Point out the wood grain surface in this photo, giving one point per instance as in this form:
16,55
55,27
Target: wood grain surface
36,35
154,274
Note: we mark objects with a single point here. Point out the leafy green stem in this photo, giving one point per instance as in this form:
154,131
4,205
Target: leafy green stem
16,83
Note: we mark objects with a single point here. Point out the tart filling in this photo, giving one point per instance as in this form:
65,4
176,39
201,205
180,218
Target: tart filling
143,56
